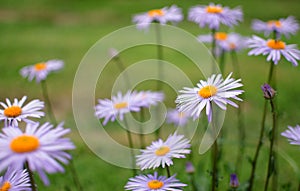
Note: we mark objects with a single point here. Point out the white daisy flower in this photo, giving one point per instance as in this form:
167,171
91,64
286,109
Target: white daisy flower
43,148
274,49
214,15
154,182
15,180
16,112
160,153
116,107
285,26
41,70
172,14
215,89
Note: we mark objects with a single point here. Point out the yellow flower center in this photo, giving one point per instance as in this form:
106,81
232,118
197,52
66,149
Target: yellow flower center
162,151
276,44
214,9
221,36
155,184
156,13
24,144
207,91
40,66
275,23
121,105
13,111
5,187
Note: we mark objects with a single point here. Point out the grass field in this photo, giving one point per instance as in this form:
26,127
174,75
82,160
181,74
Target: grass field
32,31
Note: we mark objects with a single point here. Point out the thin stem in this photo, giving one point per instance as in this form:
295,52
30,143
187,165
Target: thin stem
48,102
31,178
260,142
214,166
75,176
121,67
271,160
213,48
168,171
222,61
193,183
159,56
142,137
130,145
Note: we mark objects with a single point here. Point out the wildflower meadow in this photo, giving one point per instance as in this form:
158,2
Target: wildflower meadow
149,95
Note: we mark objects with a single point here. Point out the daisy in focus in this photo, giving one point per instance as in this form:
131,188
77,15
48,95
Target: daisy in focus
215,15
15,180
177,118
284,26
293,134
147,98
154,182
162,16
215,89
274,49
12,113
41,70
116,107
43,148
160,153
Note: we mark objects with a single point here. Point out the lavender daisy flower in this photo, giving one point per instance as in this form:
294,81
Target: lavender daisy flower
147,98
16,112
274,49
42,147
41,70
116,107
293,134
214,15
160,153
215,89
285,26
225,41
15,180
177,118
172,14
154,182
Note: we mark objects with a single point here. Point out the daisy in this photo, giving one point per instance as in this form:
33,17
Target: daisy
288,26
162,16
15,180
177,118
274,49
12,113
160,153
43,148
293,134
154,182
214,15
116,107
147,98
215,89
41,70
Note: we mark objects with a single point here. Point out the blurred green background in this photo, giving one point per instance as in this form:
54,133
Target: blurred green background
32,31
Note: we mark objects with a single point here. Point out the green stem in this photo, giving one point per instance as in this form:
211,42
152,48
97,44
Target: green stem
271,161
222,62
75,176
193,183
130,145
122,68
213,48
260,142
142,136
159,56
48,103
168,171
214,166
31,178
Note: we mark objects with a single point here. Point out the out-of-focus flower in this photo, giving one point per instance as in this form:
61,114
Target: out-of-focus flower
15,180
293,134
268,91
285,26
234,181
215,15
154,182
215,89
41,147
189,167
147,98
177,118
160,153
274,49
116,107
162,16
41,70
16,112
